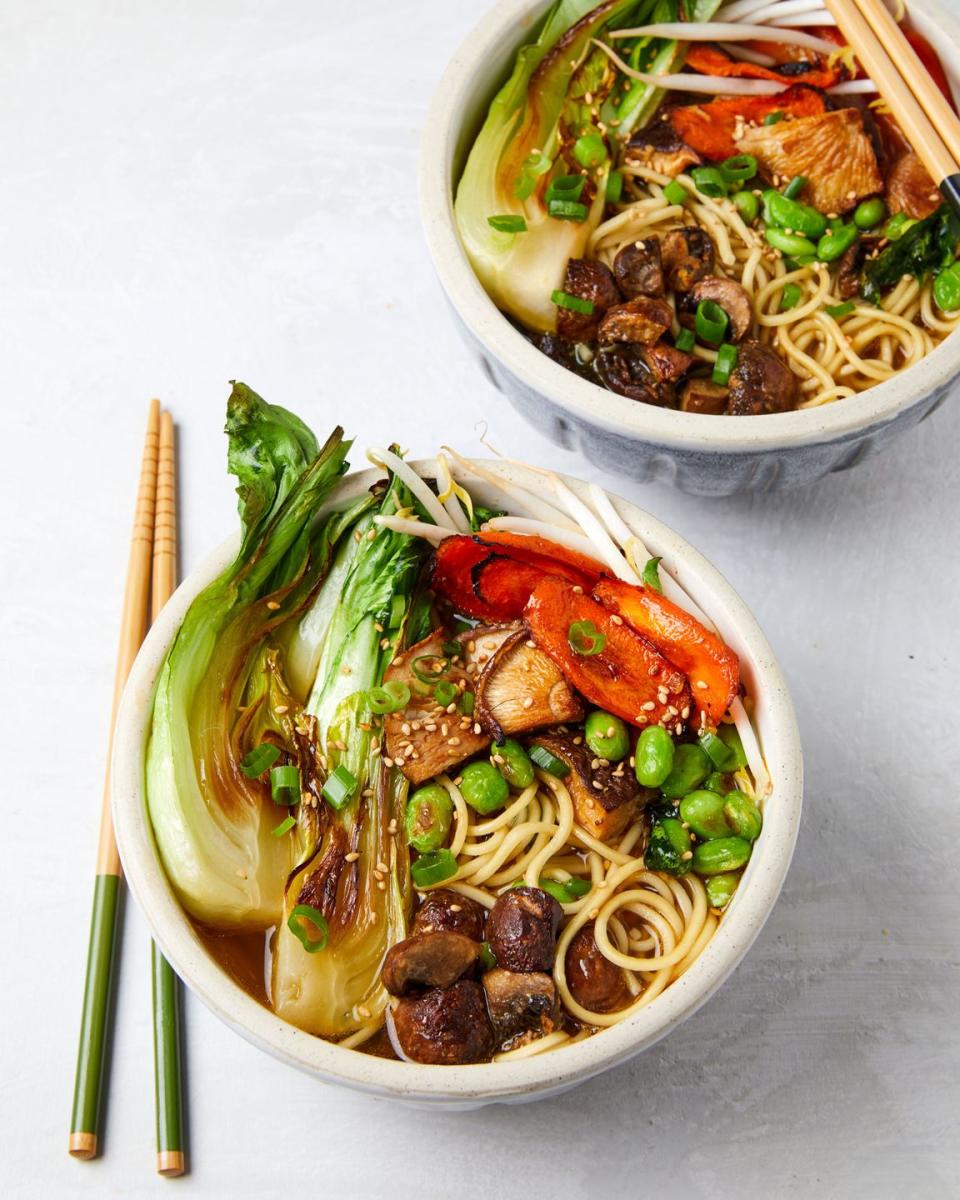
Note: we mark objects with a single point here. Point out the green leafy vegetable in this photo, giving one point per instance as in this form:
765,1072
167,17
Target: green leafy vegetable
928,245
651,573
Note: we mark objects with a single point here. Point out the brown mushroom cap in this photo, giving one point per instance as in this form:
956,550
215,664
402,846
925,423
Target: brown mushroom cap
638,269
688,255
642,321
428,960
445,911
590,281
703,396
761,382
594,981
731,297
445,1026
519,1001
522,929
522,689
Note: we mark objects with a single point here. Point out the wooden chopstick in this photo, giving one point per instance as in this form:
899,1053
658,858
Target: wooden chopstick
167,1057
918,78
936,157
91,1054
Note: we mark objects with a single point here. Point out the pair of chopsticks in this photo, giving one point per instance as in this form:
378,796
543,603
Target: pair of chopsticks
921,109
151,580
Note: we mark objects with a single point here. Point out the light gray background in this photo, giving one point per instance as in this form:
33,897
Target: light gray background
195,192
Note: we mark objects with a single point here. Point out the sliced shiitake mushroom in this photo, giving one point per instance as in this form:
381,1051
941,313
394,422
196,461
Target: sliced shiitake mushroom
428,960
520,1000
423,738
606,797
522,689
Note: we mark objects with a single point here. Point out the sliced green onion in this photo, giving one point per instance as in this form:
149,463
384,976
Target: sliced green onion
487,958
731,739
614,187
573,303
306,912
739,168
795,187
710,181
563,892
444,693
259,758
773,118
840,310
565,187
675,192
390,698
507,223
651,574
284,827
590,150
567,210
585,638
685,340
424,674
789,296
727,357
710,322
285,785
339,788
433,867
718,752
548,762
467,701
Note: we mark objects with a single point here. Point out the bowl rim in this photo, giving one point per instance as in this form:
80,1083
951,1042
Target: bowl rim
587,401
479,1083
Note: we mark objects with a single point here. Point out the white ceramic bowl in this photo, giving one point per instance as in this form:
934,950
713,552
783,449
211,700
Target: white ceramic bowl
469,1086
706,455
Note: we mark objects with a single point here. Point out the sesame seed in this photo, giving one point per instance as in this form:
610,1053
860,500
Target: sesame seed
382,866
615,620
282,708
352,856
381,885
477,728
454,741
273,605
701,685
528,702
577,589
405,728
456,908
649,706
387,762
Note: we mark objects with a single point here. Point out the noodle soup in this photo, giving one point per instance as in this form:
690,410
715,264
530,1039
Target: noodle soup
443,781
715,214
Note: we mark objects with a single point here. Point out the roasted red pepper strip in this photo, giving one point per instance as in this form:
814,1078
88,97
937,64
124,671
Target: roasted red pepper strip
530,544
711,666
628,677
708,60
462,564
709,128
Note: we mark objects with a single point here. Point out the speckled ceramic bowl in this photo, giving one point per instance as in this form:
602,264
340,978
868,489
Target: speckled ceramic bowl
470,1086
711,456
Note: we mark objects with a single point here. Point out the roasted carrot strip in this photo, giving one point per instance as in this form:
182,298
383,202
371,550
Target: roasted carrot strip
709,128
627,676
711,666
708,60
530,545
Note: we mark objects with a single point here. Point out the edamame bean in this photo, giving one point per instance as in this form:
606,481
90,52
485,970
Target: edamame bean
669,848
720,855
791,214
789,243
743,816
836,243
703,811
607,736
869,213
690,768
428,817
483,787
515,767
720,888
747,205
731,739
654,756
716,781
946,289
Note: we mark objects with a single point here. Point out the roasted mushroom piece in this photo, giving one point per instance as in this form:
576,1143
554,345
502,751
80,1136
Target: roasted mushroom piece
624,369
761,382
910,188
443,910
522,689
522,929
423,738
605,798
667,364
594,981
731,297
661,148
704,396
638,269
518,1001
587,280
444,1026
642,321
428,960
687,255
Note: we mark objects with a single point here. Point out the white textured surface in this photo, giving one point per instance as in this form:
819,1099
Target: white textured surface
194,192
